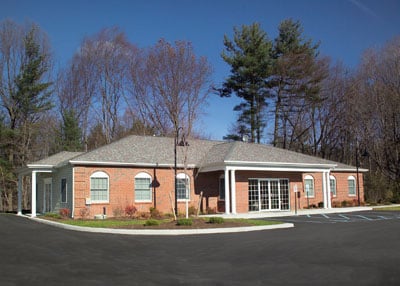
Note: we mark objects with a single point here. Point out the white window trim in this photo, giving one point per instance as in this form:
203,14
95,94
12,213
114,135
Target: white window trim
309,177
184,176
333,179
100,174
352,178
143,175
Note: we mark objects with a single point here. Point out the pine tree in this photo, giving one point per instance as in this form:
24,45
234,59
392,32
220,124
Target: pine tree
71,133
248,54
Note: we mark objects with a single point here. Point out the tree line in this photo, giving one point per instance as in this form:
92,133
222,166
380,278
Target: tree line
292,97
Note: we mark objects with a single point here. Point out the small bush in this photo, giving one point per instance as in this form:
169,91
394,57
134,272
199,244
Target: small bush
217,220
211,210
118,212
155,213
130,211
184,221
192,211
151,222
84,213
64,213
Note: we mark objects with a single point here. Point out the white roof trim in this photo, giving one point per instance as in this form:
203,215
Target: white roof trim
152,165
281,164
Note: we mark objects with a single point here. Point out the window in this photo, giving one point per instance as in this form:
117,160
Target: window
222,188
309,186
332,183
99,187
143,187
352,185
183,187
63,190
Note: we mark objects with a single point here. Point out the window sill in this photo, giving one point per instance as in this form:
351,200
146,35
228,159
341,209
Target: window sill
143,202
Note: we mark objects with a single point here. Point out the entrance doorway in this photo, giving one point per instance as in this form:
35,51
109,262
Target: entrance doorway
268,194
47,196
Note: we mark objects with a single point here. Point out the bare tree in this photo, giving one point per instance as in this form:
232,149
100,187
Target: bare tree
377,110
169,86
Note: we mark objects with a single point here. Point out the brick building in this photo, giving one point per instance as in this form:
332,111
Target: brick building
228,177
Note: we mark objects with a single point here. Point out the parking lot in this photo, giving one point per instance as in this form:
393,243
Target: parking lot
335,249
341,217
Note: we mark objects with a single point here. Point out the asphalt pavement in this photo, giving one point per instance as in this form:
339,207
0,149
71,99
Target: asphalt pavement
364,252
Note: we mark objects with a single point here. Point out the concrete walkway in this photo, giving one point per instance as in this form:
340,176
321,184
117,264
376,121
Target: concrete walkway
252,215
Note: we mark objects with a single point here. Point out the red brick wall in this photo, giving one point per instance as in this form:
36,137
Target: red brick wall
121,190
342,189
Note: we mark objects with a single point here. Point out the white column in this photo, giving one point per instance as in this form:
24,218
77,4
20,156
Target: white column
324,191
20,194
33,202
328,189
227,199
233,186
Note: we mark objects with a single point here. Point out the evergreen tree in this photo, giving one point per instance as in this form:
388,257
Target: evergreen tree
71,133
248,54
297,74
32,96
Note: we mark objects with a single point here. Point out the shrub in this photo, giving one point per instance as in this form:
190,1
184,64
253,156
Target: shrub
217,220
118,212
130,211
84,213
320,205
151,222
192,211
155,213
64,213
211,210
184,221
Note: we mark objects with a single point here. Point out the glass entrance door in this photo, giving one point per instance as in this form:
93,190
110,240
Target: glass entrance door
275,194
268,194
47,198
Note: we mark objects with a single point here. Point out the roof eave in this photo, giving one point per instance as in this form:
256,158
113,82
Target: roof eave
150,165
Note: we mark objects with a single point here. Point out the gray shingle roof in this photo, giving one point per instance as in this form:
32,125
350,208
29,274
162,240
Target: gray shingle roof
147,150
57,160
151,150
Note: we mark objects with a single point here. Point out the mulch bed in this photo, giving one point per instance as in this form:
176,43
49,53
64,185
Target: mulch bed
197,224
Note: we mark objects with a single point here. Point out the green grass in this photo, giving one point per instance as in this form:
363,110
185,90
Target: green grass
388,209
106,223
118,223
255,222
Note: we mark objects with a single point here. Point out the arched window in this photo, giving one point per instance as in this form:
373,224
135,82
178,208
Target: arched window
143,187
309,186
351,181
99,187
332,182
183,186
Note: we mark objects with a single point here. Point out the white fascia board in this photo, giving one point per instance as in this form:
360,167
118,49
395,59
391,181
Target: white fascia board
150,165
362,170
285,166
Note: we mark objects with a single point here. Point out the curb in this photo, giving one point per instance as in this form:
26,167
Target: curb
164,232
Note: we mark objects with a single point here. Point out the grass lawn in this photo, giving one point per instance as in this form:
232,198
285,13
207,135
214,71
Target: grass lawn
163,223
397,208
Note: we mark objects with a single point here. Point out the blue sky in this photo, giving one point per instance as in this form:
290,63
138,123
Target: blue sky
345,28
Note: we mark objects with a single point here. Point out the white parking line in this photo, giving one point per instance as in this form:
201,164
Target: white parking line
345,217
382,217
325,216
364,217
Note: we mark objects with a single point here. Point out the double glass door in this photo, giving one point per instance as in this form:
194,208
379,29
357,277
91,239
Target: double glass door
268,194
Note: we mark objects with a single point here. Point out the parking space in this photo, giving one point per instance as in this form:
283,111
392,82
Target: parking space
341,217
